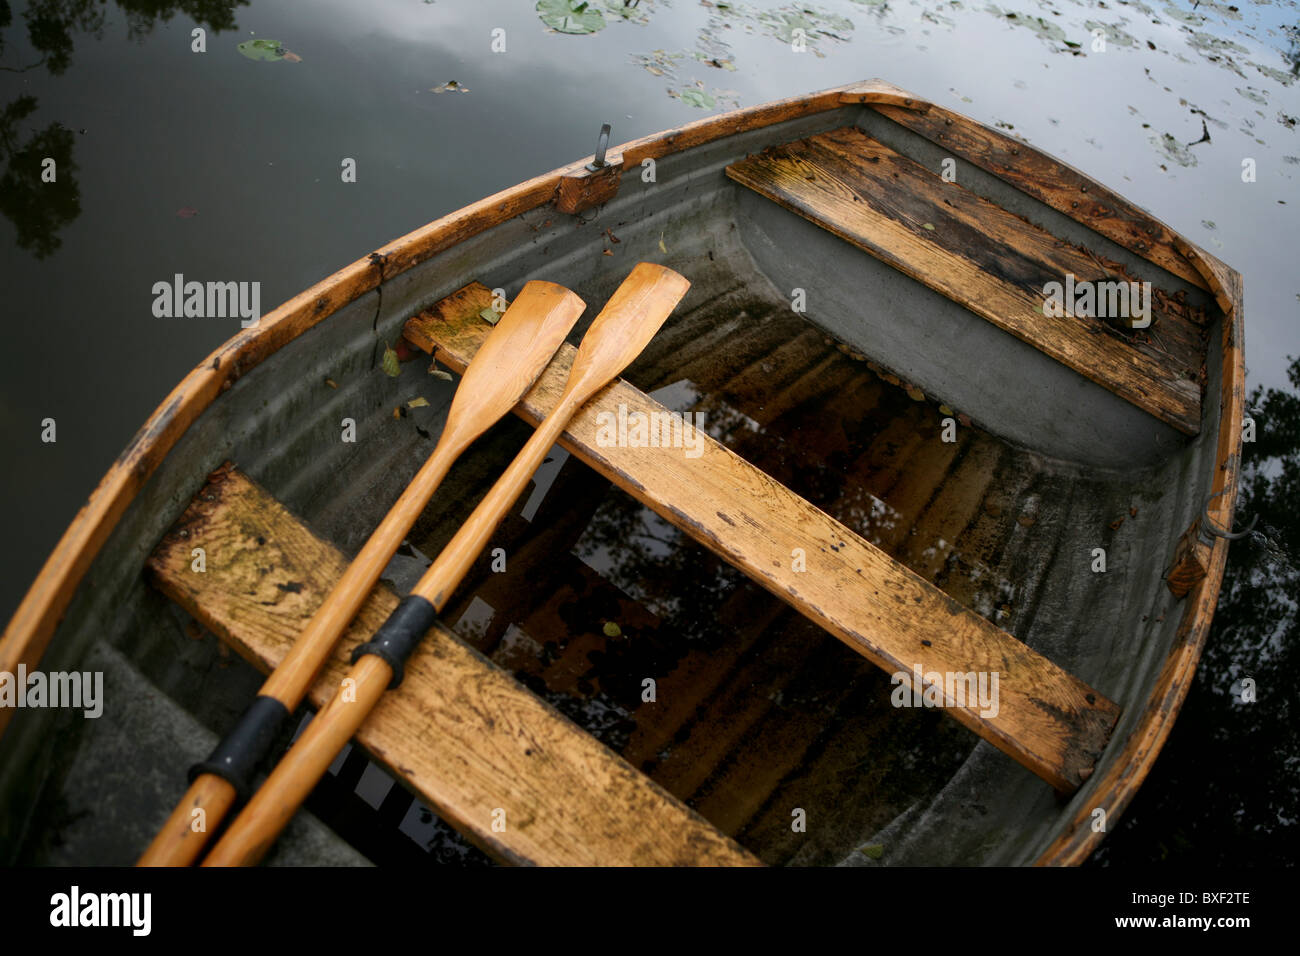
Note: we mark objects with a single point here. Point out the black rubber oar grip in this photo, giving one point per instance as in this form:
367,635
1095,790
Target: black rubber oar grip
246,746
397,638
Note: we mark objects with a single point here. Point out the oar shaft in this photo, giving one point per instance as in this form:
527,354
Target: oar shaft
454,561
279,797
209,797
293,676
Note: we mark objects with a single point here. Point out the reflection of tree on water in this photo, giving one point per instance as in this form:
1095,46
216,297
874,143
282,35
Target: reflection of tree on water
38,209
1224,791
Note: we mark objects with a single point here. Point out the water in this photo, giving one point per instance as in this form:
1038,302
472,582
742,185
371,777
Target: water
220,167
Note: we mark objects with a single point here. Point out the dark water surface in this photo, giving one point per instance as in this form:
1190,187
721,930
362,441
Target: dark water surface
219,166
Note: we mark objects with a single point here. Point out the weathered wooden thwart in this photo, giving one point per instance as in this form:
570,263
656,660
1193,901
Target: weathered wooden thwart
461,731
820,533
1049,721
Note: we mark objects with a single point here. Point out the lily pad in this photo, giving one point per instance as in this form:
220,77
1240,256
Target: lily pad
568,16
698,98
261,49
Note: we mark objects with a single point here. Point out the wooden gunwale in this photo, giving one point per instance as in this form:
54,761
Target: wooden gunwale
1116,788
29,631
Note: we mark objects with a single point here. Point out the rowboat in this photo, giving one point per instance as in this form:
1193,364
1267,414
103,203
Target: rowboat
898,545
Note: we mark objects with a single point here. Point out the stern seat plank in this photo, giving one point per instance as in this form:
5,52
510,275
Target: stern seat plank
981,256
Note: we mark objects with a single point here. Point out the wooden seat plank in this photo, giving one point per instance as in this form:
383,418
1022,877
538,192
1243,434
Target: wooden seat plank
1048,720
980,256
460,730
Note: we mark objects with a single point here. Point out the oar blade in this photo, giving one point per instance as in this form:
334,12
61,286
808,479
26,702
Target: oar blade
512,357
630,319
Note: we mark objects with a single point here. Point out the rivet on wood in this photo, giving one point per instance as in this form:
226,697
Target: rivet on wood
1083,189
1074,204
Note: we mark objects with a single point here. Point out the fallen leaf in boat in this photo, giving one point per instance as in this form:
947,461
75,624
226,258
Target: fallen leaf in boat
440,373
1025,521
265,50
406,351
391,365
929,226
873,851
187,212
490,316
419,402
1132,512
451,86
612,630
662,247
608,252
397,413
964,419
1114,525
612,238
570,16
331,383
944,409
914,393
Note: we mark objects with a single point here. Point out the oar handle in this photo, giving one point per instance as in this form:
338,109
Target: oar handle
276,801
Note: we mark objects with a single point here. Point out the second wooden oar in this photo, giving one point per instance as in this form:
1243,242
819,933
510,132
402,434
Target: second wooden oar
505,367
624,327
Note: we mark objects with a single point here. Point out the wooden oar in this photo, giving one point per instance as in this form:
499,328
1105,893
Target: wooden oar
509,361
627,323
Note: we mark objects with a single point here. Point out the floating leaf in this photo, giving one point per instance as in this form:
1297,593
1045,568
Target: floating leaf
451,86
873,851
568,16
697,98
418,402
612,630
490,316
392,367
265,50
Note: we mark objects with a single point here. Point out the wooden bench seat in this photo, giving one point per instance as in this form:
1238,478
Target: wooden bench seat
460,730
1048,720
985,258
